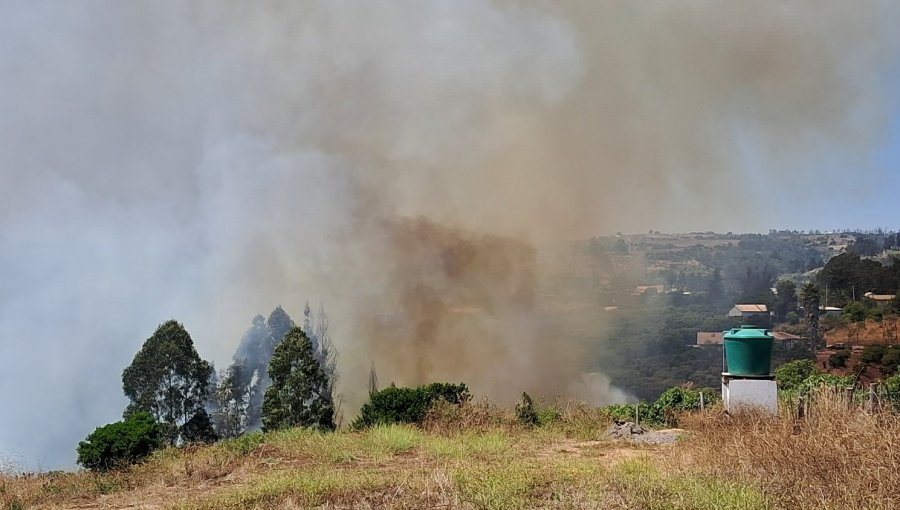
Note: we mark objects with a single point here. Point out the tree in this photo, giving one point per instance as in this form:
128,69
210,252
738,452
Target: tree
715,292
786,300
263,338
326,353
810,297
121,443
199,429
167,378
232,398
855,312
298,395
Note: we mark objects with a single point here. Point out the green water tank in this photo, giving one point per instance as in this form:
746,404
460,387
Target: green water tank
748,351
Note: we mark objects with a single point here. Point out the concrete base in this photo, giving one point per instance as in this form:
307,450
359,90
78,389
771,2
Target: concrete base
743,394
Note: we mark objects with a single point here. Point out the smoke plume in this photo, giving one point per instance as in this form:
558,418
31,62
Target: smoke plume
400,161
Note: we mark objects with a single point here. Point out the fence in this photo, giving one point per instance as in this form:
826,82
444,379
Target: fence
877,398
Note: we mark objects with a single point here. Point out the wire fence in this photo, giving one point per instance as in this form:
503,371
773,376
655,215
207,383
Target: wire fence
874,398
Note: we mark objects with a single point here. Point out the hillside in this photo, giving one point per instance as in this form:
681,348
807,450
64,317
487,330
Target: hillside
480,459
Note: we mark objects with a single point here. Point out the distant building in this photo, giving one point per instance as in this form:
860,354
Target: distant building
879,299
640,290
786,338
749,311
710,338
830,311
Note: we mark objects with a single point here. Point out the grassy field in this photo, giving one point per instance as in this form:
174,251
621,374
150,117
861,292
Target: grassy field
836,457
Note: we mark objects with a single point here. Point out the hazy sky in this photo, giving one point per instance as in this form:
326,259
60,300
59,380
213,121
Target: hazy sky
208,160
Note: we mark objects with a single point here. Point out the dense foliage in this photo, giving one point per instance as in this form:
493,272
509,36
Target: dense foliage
120,443
666,408
300,394
848,275
407,405
168,379
791,375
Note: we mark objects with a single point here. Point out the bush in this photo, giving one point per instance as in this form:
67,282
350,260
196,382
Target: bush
793,318
792,374
407,405
890,361
891,389
819,380
872,354
855,312
666,408
839,359
199,429
526,413
121,443
641,412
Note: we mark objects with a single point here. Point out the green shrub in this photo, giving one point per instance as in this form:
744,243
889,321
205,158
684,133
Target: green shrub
199,429
120,443
641,412
839,359
666,408
819,380
872,354
891,389
407,405
792,374
890,361
793,318
526,414
855,312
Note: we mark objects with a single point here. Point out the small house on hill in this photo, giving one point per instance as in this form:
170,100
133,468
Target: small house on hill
879,299
710,338
749,311
830,311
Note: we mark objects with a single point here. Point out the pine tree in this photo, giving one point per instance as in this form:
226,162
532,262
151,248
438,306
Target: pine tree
298,395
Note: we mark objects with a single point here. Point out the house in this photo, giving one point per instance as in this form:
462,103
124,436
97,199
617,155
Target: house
786,338
710,338
879,299
749,311
640,290
830,311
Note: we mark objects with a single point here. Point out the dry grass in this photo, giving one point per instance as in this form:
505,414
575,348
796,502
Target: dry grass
836,456
479,457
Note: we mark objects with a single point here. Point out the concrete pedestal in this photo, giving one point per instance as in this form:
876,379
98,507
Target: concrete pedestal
742,393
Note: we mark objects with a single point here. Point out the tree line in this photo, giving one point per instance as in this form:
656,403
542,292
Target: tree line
281,375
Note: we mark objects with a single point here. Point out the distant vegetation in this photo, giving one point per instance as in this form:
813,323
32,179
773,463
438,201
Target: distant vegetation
646,343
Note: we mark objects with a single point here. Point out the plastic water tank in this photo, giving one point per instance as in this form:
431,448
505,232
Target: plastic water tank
748,351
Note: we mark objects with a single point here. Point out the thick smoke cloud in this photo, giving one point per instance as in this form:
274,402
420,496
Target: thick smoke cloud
209,160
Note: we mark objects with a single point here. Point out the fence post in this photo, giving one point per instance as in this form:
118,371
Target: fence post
872,397
701,400
637,414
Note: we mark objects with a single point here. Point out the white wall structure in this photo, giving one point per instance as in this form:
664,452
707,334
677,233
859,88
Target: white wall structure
744,394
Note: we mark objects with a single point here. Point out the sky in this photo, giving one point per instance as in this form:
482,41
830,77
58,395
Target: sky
209,160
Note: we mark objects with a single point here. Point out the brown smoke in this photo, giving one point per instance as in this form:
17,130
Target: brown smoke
448,293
